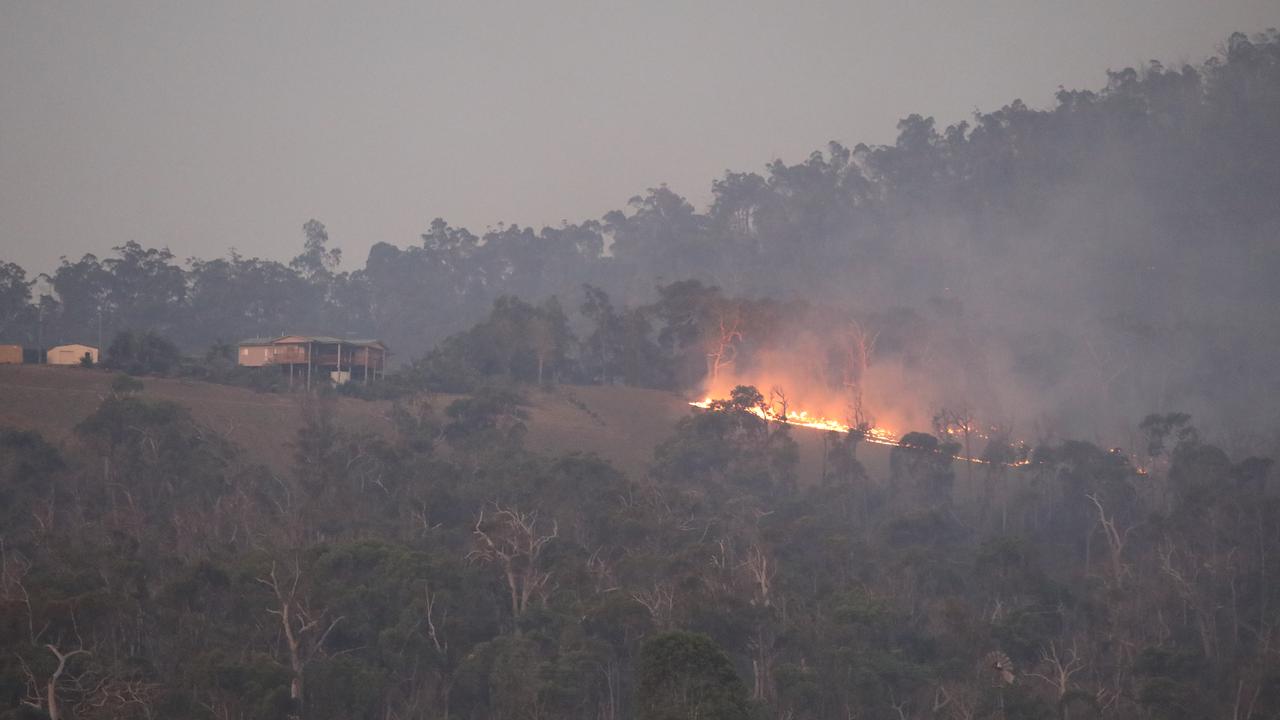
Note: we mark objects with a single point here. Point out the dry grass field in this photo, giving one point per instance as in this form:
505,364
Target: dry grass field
52,400
620,424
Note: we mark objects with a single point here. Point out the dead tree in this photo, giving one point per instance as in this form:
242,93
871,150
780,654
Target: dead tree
601,571
1060,667
778,401
1116,540
1185,569
959,421
513,542
44,696
858,346
433,633
957,700
13,570
761,570
542,338
659,601
40,695
1000,454
762,662
305,630
115,697
722,345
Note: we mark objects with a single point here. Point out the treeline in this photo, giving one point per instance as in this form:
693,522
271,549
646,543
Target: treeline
148,571
689,333
1124,236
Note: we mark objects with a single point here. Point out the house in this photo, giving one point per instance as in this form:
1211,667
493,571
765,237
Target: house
254,352
10,354
305,356
71,354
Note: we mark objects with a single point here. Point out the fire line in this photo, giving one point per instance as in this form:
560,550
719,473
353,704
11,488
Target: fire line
875,435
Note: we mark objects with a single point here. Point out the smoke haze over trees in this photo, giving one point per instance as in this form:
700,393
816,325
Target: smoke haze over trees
1110,255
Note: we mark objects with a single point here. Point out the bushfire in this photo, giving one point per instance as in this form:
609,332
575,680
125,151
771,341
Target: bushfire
878,435
874,434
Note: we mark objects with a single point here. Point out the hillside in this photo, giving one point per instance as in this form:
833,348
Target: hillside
52,400
621,424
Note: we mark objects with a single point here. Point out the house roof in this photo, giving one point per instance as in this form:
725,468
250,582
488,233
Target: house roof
324,339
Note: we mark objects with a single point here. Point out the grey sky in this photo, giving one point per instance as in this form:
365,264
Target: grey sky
209,125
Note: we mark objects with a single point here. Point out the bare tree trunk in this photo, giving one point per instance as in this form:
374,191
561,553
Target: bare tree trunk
861,346
300,626
51,688
514,543
723,351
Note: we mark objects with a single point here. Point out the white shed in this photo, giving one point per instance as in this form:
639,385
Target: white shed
71,354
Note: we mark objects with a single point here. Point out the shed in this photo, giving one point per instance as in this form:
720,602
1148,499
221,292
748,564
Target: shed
10,354
71,354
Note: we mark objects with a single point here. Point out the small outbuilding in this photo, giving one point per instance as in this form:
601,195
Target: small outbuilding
10,354
71,354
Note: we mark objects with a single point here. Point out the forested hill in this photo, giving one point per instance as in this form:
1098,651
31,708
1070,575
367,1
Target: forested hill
437,565
1119,246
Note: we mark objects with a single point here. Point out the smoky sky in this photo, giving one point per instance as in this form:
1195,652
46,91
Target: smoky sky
208,126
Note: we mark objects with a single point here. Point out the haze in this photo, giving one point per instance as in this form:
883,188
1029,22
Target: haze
936,382
216,125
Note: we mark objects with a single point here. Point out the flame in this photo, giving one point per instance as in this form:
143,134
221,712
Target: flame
877,435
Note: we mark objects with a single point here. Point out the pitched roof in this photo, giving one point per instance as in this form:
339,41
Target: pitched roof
325,339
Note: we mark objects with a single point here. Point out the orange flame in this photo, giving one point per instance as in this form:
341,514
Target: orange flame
878,435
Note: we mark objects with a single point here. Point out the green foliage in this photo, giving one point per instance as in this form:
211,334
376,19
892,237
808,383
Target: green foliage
256,685
731,448
157,453
620,346
491,416
345,688
218,365
517,342
1167,698
146,353
28,465
1158,428
684,675
15,298
745,397
921,469
125,385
